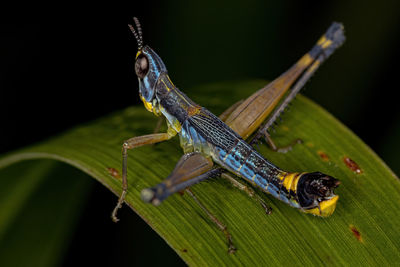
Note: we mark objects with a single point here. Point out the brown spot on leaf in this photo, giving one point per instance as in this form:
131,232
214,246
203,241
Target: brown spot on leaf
352,165
114,173
184,250
323,155
285,128
356,233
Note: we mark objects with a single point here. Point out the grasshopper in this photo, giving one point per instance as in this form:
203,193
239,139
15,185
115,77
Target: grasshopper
215,146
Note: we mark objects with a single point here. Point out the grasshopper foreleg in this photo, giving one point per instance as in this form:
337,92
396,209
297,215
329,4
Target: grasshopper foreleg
128,145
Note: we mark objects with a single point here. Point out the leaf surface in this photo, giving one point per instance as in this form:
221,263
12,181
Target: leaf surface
362,230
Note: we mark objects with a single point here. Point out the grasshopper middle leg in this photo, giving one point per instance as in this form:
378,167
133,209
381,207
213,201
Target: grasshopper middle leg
231,248
250,192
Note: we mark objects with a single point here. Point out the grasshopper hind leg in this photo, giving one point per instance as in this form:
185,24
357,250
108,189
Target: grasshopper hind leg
309,63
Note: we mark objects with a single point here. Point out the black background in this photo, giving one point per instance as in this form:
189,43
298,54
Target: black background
67,71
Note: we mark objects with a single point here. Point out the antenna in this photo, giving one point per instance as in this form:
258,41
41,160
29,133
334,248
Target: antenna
138,34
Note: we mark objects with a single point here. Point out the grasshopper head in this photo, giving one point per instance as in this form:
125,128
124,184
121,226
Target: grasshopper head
315,193
148,67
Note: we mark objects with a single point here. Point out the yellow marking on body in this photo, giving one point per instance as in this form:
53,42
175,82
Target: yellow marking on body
226,156
286,179
238,170
295,180
138,53
314,66
166,86
169,79
184,98
156,110
171,131
290,180
253,178
326,208
147,105
324,42
305,60
177,125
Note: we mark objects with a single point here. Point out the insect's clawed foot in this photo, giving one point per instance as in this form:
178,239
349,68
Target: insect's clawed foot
114,218
267,209
118,206
232,249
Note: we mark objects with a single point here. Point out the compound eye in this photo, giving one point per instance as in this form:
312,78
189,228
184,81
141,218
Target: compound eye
141,66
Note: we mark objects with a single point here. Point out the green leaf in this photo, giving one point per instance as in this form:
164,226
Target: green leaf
40,202
362,230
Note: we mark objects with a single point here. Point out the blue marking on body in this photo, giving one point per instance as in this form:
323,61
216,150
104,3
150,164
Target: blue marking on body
260,181
186,142
183,133
196,139
221,154
273,190
232,162
252,165
155,63
146,82
146,86
250,162
266,186
247,172
284,198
